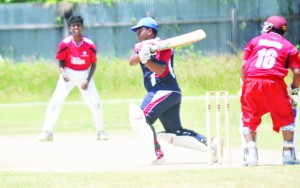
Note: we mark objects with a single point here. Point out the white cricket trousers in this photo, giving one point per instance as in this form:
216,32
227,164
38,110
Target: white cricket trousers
63,89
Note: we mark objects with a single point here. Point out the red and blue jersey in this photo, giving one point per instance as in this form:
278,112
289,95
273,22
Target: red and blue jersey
77,57
167,79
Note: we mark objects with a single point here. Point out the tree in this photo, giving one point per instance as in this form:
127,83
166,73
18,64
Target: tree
55,1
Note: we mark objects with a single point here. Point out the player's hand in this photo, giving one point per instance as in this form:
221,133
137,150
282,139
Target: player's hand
153,45
294,100
151,42
144,53
65,77
85,84
294,94
137,47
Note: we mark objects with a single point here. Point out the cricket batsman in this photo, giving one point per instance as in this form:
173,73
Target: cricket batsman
163,98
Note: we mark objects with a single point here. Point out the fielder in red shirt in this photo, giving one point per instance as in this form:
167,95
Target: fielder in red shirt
77,64
266,61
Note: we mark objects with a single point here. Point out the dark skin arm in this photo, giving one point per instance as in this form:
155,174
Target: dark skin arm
85,84
61,66
242,73
296,77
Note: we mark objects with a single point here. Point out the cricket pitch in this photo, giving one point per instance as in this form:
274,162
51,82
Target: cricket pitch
83,153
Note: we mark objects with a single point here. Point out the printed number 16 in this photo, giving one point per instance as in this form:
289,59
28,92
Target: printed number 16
266,58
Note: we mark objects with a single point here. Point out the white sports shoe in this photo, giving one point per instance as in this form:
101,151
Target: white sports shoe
214,144
45,136
160,161
101,135
250,155
290,159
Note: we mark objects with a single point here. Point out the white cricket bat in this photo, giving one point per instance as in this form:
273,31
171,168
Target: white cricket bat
181,40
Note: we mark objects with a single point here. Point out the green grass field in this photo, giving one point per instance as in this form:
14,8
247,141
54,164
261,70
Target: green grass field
76,117
35,82
265,176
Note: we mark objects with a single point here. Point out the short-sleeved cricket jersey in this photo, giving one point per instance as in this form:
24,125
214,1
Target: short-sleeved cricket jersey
168,78
77,57
269,56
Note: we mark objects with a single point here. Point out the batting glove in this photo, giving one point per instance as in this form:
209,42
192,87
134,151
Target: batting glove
153,45
137,47
151,42
144,53
294,95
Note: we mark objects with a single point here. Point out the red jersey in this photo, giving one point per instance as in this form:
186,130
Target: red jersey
77,57
269,56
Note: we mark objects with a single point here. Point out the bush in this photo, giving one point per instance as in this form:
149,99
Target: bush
115,79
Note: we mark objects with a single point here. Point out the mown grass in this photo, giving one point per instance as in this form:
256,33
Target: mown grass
264,176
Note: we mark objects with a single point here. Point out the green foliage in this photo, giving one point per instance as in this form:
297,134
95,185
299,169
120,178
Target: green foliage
59,20
22,82
197,73
27,1
109,2
26,80
115,79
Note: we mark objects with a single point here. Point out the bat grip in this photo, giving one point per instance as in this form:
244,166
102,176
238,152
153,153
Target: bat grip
153,49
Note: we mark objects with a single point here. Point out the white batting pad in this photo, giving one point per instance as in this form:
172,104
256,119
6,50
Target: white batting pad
183,141
296,129
142,130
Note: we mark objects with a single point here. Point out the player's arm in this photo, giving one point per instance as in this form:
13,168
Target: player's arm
294,86
242,72
61,65
92,71
155,67
294,62
151,64
247,53
296,77
134,59
85,84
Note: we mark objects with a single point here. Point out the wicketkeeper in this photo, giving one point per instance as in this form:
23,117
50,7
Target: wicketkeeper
266,62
